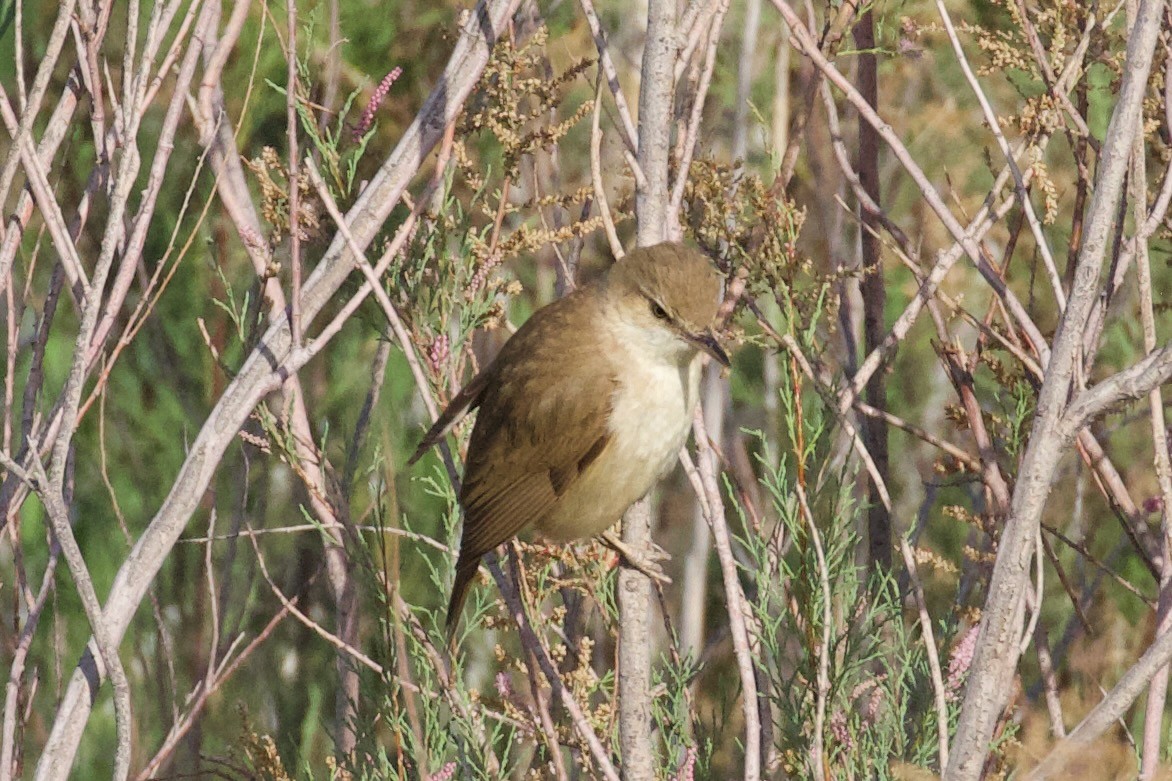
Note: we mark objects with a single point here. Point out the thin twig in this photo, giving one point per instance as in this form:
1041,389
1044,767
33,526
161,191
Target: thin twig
291,123
738,606
612,236
994,125
929,635
627,129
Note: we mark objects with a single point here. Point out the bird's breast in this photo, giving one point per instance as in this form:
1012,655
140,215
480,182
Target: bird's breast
650,417
652,412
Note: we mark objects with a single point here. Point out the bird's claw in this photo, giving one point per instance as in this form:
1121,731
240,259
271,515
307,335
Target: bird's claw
647,562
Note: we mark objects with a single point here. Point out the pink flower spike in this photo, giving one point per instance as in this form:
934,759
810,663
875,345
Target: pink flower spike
446,773
380,94
961,660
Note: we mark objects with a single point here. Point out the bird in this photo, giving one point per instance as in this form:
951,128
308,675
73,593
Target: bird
585,407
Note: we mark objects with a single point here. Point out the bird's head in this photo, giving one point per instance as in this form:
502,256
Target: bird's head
669,294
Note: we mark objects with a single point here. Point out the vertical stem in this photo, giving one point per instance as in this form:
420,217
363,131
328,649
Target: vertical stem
294,157
333,70
656,94
740,148
779,125
874,294
1158,686
634,591
738,608
694,588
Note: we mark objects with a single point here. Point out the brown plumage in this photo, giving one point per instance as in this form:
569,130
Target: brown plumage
584,407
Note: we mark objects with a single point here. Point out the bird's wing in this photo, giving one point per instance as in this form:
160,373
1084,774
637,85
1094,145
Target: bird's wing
460,405
524,456
537,429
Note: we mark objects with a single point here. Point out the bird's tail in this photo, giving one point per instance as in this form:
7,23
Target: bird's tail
465,572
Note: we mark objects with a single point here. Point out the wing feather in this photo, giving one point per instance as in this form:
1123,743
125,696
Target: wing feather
535,432
462,403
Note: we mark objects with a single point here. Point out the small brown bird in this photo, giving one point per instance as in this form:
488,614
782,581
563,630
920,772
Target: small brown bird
585,407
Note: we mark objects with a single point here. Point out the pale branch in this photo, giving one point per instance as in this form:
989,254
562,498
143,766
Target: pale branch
655,123
694,27
38,183
1130,384
656,95
737,604
997,649
748,54
394,320
221,47
1108,712
627,129
612,236
22,134
257,376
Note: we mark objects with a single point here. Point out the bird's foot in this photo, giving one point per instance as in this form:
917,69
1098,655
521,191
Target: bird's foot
647,562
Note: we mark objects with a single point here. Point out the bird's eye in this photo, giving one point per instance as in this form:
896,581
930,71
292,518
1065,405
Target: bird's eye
658,311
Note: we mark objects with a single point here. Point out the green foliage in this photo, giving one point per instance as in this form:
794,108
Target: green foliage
815,605
509,220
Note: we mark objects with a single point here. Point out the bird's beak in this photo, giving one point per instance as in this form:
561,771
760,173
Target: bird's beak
706,341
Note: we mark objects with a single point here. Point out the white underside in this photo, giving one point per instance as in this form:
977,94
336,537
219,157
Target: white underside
652,414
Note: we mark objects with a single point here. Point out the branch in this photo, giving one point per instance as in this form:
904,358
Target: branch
612,236
651,214
627,129
258,376
1110,710
1131,384
997,649
738,607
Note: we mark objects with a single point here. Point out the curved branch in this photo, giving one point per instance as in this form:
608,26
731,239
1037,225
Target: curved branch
1131,384
997,650
259,376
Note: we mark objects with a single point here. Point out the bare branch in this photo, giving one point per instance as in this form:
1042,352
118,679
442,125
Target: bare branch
738,606
1131,384
627,130
257,375
996,655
